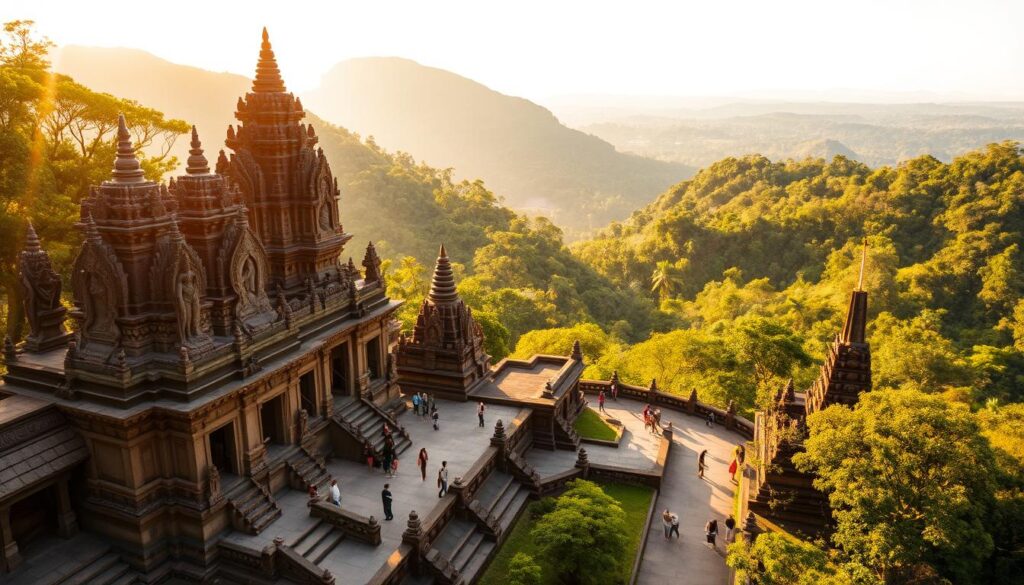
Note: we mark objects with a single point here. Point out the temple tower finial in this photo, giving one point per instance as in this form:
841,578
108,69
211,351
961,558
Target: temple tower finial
442,285
863,260
268,76
126,166
197,163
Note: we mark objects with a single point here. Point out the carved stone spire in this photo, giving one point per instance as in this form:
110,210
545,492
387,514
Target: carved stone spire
197,163
126,166
268,76
577,351
442,285
371,262
40,292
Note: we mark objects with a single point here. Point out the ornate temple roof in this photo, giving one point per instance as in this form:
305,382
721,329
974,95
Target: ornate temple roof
442,285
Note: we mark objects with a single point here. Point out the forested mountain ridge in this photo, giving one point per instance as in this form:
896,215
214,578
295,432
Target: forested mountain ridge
520,148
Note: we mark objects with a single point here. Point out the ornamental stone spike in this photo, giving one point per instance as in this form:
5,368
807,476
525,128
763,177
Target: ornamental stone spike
126,166
197,163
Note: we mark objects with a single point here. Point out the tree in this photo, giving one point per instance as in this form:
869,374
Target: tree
522,570
594,342
665,279
910,481
583,537
914,353
778,559
771,349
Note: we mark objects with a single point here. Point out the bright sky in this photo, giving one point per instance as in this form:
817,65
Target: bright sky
964,49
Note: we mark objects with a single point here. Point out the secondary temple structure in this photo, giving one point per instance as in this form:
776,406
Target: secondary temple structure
782,492
224,359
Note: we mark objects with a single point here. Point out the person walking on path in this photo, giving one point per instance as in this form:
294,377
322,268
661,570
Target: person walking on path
700,463
368,455
666,521
435,417
711,532
386,463
421,460
711,420
480,408
733,468
442,479
394,466
741,453
600,402
675,526
430,402
385,496
416,404
335,493
615,391
730,526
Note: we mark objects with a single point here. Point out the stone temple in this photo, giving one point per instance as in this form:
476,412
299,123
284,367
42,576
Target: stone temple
223,359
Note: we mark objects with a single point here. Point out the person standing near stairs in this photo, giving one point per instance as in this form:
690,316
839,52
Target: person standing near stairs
480,413
335,493
421,460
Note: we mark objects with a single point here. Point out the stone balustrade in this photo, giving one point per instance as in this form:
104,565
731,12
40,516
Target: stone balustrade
353,525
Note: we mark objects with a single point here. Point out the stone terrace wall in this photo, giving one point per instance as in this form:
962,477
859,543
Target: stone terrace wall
691,405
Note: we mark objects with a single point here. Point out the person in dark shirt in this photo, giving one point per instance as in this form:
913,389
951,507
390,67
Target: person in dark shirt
385,496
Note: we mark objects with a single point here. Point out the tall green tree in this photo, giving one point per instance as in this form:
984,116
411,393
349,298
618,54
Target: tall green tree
910,479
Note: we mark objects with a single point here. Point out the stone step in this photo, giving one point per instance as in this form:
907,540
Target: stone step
453,537
113,573
515,506
506,499
310,539
90,573
468,549
478,561
325,546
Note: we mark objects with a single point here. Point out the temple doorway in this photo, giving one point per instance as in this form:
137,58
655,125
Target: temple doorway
222,449
373,358
307,393
340,370
34,517
272,420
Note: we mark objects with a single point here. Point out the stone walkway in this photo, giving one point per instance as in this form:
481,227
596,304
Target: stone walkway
459,441
687,560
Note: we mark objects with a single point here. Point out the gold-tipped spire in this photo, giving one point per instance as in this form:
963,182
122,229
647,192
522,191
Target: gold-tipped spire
197,163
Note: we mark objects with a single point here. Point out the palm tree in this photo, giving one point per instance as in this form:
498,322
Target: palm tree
665,279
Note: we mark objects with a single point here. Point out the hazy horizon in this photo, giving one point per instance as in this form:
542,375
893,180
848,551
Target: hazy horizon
914,51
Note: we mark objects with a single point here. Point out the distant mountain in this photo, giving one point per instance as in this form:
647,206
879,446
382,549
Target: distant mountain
204,98
519,148
824,148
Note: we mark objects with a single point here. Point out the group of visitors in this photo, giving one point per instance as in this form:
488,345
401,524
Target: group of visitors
423,406
671,523
652,419
711,531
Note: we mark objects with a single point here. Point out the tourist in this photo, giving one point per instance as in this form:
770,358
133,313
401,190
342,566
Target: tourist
647,411
385,496
711,419
700,463
600,401
480,413
730,526
666,521
394,466
675,526
657,417
421,460
335,493
733,468
442,479
416,404
615,390
368,454
430,402
434,416
741,453
711,532
313,495
389,454
386,431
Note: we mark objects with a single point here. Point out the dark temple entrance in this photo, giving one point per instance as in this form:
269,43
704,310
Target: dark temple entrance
222,449
340,370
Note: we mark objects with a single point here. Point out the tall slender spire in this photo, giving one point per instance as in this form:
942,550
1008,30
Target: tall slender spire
442,286
126,166
857,314
268,76
197,163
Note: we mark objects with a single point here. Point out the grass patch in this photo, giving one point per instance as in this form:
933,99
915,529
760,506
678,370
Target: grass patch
589,424
635,501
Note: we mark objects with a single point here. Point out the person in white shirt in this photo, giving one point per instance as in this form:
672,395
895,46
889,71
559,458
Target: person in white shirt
442,479
335,493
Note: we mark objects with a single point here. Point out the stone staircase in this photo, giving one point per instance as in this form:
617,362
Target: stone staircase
308,470
364,422
498,502
523,471
254,507
465,547
318,542
107,569
566,436
82,559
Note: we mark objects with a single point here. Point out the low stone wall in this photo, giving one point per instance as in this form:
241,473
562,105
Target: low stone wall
276,560
643,539
353,525
691,405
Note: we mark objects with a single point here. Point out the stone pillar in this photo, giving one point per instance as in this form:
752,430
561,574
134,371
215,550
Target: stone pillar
583,462
12,558
413,536
67,524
